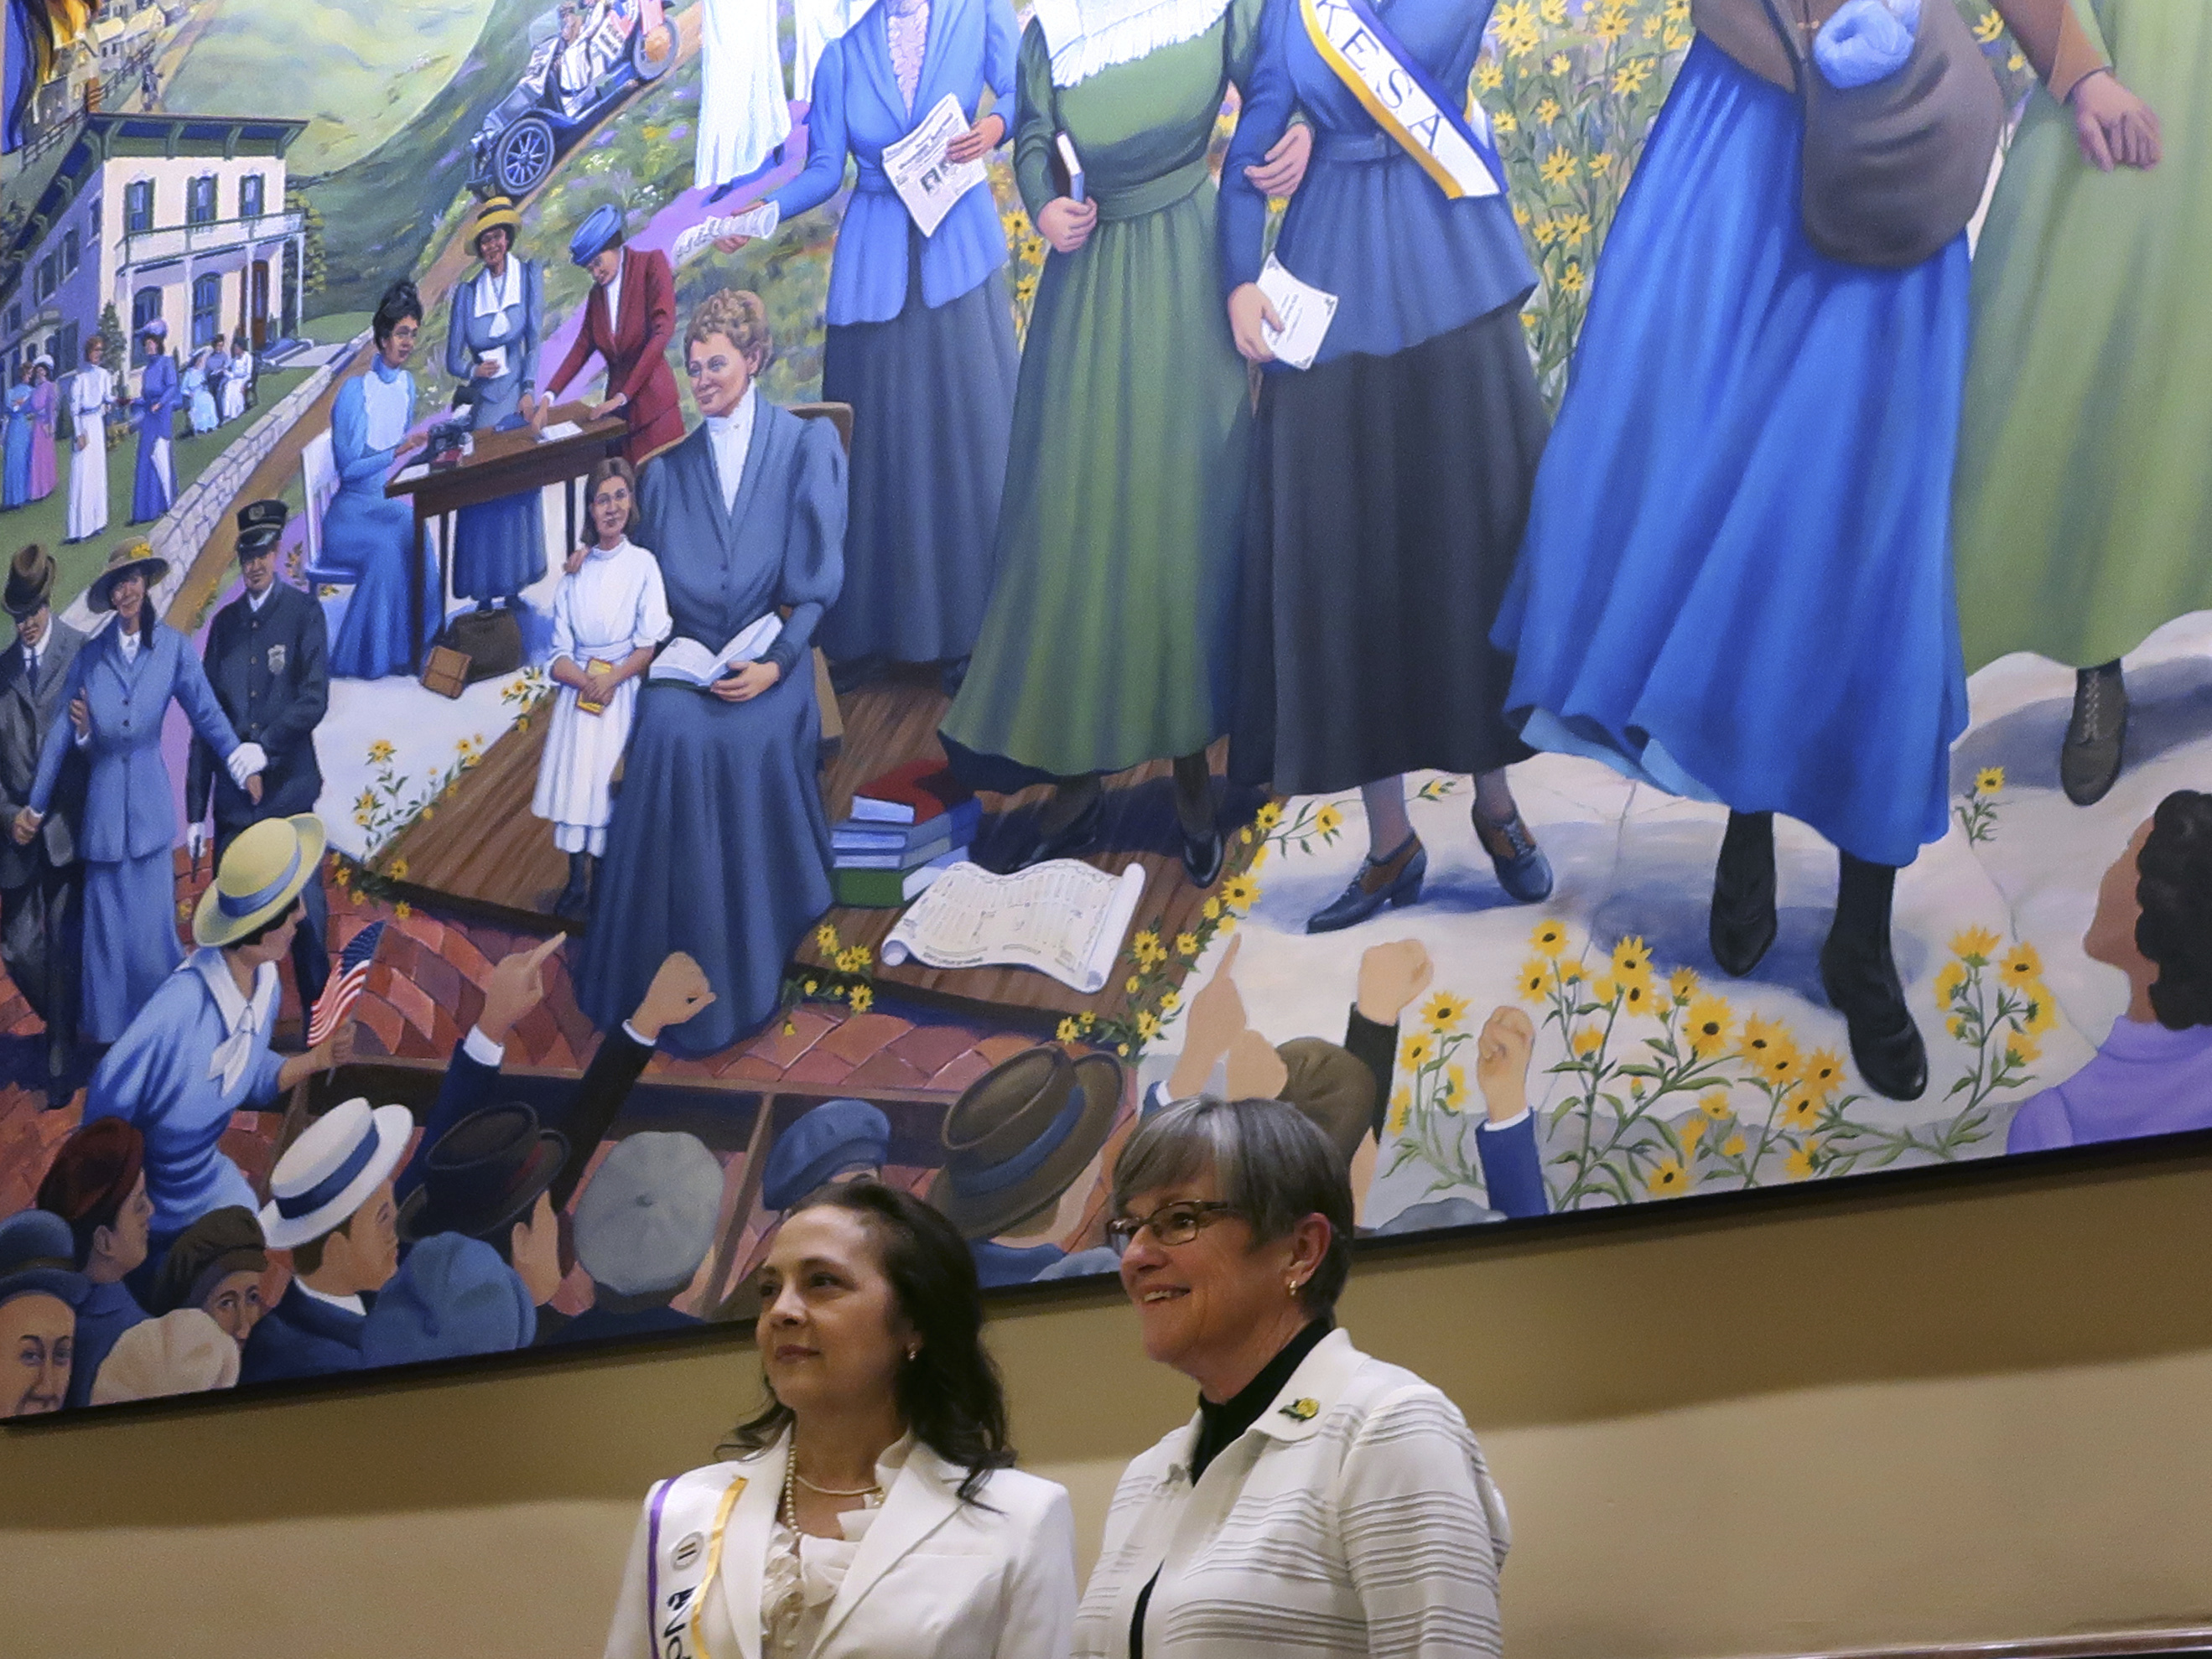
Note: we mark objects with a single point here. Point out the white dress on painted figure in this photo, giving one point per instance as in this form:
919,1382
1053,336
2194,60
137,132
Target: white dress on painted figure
91,389
743,113
615,605
815,25
234,387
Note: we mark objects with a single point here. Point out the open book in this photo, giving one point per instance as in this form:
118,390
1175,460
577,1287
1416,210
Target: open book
1062,918
692,664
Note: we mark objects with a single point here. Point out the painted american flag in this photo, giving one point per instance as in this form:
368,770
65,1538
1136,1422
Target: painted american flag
345,985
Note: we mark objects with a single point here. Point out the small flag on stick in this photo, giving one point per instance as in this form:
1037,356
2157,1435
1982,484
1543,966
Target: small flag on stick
345,985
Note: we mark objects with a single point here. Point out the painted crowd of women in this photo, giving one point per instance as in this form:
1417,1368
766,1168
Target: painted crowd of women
1140,532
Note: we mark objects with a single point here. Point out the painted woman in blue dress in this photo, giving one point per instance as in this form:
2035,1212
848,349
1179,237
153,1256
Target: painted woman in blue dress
365,533
920,336
119,689
1372,569
15,454
155,482
719,846
1736,581
491,345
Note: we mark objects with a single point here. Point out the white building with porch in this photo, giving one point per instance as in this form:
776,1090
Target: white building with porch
176,216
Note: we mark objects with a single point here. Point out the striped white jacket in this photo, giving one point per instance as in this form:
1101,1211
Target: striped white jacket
1355,1520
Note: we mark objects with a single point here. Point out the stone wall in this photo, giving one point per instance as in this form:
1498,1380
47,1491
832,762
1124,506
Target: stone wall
180,534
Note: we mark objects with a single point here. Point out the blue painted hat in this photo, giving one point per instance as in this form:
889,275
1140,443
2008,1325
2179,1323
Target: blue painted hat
452,1296
601,230
836,1135
38,1253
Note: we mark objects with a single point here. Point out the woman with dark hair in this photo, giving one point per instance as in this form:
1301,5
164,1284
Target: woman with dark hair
880,1459
365,532
1351,1513
611,609
2154,922
46,403
119,687
491,347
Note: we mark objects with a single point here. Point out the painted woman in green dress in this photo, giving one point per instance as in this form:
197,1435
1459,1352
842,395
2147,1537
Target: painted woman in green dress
1107,637
2083,503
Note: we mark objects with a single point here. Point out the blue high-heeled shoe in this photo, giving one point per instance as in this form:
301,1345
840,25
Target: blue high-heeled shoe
1522,870
1395,880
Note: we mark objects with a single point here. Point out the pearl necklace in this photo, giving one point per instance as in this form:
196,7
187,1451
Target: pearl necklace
871,1496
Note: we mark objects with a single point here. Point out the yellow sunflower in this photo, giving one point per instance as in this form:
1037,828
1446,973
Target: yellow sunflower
1714,1103
1148,1025
1549,938
1240,893
1535,979
1066,1033
1974,946
2042,1012
2021,966
380,752
1186,944
1603,990
1417,1051
1690,1131
1328,820
1798,1166
1402,1107
1683,984
862,999
1824,1074
1444,1011
1801,1111
1949,982
1632,958
1706,1025
1733,1146
1269,815
1587,1042
1988,780
1666,1178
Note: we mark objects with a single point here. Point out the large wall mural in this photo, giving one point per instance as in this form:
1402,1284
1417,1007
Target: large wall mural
629,608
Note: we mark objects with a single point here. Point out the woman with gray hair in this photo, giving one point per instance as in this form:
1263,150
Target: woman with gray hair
1321,1501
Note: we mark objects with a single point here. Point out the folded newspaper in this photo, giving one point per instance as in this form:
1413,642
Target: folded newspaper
1062,917
755,222
926,181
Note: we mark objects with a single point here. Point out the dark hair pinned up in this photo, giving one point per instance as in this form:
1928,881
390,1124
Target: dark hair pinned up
400,301
949,1393
2173,886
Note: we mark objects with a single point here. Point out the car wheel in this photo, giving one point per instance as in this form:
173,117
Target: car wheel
652,50
525,156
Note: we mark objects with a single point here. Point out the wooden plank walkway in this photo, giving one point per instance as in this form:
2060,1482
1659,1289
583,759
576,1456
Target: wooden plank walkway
483,851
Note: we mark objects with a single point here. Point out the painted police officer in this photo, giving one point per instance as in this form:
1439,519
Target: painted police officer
268,658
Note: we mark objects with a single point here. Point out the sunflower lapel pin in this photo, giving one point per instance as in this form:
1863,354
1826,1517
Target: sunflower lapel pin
1303,1411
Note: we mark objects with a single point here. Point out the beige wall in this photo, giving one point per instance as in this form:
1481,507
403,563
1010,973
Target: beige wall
1846,1422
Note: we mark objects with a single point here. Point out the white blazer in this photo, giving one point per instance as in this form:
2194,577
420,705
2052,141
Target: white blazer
1354,1520
932,1577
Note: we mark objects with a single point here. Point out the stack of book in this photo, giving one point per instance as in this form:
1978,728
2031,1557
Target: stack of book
908,828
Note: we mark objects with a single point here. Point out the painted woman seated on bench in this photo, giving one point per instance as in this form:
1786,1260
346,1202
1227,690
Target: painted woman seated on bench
367,536
719,846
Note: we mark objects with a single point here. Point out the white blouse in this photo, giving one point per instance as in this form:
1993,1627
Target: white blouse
803,1573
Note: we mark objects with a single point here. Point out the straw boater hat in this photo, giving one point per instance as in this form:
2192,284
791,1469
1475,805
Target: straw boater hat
1021,1133
497,213
30,581
268,866
329,1172
137,554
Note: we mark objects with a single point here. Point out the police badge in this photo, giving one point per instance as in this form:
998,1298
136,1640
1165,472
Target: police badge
275,659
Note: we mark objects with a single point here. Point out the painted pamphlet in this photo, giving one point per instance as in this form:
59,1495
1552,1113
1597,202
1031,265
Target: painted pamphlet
1306,312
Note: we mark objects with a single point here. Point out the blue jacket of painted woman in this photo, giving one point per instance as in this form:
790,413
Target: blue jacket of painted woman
160,394
130,821
857,110
1405,262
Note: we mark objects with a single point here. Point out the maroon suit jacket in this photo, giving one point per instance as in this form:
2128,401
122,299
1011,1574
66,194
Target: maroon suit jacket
636,348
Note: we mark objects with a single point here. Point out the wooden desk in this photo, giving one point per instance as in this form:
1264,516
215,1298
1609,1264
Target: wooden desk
499,463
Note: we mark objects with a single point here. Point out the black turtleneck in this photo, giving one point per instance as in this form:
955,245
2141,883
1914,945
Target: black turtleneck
1219,1426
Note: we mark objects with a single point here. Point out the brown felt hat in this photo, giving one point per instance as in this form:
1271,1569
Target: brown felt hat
30,581
1021,1133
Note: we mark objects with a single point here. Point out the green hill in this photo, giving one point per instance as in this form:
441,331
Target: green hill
357,72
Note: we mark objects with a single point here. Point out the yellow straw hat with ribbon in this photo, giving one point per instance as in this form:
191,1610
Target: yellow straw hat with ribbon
497,213
268,866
